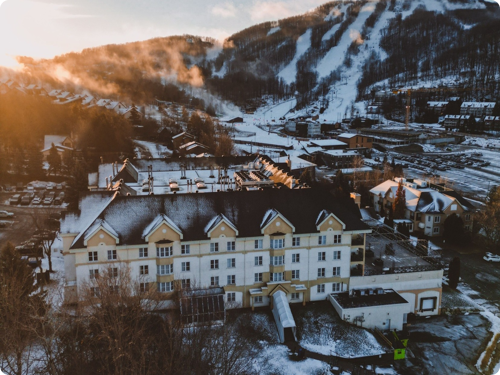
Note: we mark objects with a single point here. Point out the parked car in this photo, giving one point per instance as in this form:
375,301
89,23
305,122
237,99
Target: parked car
37,200
15,199
491,258
5,214
48,200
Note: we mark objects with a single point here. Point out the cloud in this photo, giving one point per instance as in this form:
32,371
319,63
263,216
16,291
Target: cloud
266,10
226,10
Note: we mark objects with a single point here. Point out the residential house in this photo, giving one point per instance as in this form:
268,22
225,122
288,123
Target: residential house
181,139
61,142
427,205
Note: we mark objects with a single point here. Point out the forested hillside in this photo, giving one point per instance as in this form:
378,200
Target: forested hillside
365,45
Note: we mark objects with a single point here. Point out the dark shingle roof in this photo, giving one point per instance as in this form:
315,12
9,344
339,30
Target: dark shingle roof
129,216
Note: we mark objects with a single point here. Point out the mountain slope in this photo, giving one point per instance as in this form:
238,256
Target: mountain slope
330,57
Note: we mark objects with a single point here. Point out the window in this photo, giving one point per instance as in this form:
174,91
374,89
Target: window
321,256
320,288
94,274
93,256
295,274
214,247
231,263
231,279
257,299
258,261
429,218
428,304
186,266
337,238
166,287
321,240
143,252
321,272
164,252
186,283
258,244
214,281
94,291
258,277
336,287
467,217
296,241
111,254
277,276
185,249
336,271
436,230
214,264
165,269
295,296
296,258
278,244
113,272
437,219
231,297
336,255
231,246
114,289
143,287
144,270
278,260
453,207
467,227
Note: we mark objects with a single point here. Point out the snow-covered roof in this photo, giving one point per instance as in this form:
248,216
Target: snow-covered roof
437,104
98,224
347,135
328,143
216,221
280,304
478,105
158,220
55,139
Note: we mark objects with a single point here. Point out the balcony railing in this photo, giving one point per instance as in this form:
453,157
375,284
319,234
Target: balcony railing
357,256
357,240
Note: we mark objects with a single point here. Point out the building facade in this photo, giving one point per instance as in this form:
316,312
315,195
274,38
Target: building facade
250,243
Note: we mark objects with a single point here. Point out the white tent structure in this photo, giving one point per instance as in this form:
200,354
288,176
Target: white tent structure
283,317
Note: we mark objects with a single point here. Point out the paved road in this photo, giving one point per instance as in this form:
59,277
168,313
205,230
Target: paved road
479,275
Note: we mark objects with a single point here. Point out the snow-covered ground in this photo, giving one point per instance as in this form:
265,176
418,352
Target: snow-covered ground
156,150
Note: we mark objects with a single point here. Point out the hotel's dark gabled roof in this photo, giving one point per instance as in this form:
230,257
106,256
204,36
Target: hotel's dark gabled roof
129,216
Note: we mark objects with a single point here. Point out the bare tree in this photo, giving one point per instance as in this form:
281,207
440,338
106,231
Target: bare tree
47,230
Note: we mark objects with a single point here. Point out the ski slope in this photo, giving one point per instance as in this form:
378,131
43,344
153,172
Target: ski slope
289,73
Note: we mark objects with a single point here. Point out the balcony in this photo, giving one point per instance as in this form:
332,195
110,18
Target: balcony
357,270
357,256
357,240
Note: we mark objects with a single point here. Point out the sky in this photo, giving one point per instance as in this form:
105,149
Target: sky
46,28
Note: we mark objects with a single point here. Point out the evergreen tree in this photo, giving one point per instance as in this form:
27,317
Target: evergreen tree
22,305
54,159
77,183
454,273
399,205
135,117
389,220
34,166
454,229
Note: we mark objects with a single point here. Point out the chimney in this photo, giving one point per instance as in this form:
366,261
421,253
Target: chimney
357,199
289,162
